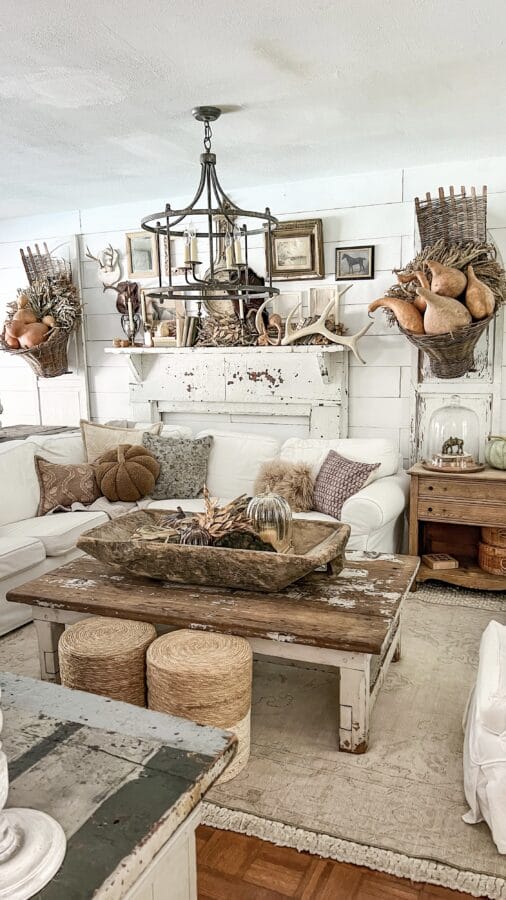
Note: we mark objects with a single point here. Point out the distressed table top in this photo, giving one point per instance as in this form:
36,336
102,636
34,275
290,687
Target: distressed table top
352,611
119,779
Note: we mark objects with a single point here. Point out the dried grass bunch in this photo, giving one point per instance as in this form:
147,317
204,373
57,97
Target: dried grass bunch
57,297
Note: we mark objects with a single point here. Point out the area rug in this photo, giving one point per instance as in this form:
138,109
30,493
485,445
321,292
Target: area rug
398,808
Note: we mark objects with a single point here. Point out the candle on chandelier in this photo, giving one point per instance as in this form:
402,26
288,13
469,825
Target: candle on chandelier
237,246
187,246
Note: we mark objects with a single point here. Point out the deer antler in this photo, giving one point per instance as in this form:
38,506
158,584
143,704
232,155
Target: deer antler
107,263
293,335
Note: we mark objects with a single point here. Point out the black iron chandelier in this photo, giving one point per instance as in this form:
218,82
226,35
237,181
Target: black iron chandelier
222,237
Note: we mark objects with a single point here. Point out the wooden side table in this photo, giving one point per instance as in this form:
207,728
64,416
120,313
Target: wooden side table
446,515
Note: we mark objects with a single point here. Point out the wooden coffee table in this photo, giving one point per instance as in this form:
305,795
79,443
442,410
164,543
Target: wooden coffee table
350,621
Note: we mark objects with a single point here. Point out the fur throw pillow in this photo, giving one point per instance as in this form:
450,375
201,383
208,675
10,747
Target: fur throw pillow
293,481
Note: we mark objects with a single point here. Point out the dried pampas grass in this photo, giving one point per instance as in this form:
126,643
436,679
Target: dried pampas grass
293,481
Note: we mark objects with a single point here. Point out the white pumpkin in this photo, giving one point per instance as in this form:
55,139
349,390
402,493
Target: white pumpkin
495,452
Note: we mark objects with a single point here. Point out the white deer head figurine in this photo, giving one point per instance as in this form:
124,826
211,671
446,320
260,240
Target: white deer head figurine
109,266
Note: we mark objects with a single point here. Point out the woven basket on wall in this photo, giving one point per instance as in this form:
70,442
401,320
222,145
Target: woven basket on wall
107,657
450,355
454,219
47,360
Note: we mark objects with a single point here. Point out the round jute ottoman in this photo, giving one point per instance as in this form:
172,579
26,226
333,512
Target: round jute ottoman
106,656
205,677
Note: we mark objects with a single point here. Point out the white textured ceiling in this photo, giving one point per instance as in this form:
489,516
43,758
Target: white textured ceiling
95,95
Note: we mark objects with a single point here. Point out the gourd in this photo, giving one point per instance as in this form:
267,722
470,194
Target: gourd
480,299
24,315
495,452
33,335
406,313
126,473
443,314
447,281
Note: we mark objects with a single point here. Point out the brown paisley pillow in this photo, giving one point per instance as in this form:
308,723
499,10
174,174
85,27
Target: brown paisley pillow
64,485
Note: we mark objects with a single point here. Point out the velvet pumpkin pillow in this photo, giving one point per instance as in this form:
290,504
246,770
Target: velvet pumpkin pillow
127,473
293,481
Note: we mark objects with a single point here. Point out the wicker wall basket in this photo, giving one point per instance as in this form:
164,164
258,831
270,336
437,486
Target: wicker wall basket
106,656
454,218
450,355
47,360
206,678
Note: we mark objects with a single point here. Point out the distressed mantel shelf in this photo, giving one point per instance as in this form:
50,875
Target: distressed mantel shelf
274,389
135,354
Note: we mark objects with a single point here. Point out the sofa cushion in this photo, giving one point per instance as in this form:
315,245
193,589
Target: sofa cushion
65,485
192,505
183,465
58,532
18,554
62,449
314,451
235,460
338,480
98,439
19,486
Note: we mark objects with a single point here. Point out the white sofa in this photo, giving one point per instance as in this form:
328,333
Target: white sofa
31,545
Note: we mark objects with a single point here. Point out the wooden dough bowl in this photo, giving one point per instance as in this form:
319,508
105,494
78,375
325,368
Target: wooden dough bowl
315,544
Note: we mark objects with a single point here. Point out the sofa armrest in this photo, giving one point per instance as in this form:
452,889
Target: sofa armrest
377,503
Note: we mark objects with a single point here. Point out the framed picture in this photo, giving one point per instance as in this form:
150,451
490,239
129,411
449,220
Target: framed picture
353,263
142,259
295,251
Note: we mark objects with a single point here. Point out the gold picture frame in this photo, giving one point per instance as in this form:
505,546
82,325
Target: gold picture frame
142,256
295,251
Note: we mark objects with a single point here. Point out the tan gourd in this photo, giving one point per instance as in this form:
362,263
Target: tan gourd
446,281
33,335
23,301
443,314
25,315
14,329
480,300
406,313
50,321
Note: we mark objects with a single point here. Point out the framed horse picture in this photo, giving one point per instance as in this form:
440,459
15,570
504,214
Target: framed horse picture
295,251
354,263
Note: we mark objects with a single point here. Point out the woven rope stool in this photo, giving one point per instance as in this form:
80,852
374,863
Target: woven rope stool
206,678
106,656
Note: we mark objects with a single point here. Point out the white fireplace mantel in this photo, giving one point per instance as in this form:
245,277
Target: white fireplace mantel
271,386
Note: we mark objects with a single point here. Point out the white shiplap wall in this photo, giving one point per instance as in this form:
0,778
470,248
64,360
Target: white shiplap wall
374,208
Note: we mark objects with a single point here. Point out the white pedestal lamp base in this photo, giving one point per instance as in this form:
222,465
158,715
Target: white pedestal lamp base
38,856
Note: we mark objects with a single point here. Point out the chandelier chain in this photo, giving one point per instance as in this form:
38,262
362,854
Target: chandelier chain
207,136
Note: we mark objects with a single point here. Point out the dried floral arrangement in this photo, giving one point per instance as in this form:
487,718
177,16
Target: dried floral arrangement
217,526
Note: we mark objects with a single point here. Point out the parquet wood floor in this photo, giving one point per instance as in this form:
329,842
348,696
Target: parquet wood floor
236,867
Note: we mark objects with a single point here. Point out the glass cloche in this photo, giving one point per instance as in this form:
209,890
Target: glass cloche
453,439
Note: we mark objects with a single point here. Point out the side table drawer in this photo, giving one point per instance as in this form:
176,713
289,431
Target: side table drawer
460,511
459,489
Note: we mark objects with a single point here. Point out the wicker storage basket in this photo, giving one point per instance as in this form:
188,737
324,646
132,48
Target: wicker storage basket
494,536
450,355
206,678
49,359
106,656
454,219
492,559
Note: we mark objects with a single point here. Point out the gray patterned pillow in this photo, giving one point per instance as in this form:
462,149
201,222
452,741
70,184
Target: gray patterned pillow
337,480
183,465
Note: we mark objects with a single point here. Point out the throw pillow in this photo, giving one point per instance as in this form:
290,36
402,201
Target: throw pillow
183,465
98,439
64,485
126,473
338,479
293,481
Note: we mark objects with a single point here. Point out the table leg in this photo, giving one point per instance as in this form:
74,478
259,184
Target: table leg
48,635
397,639
354,689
